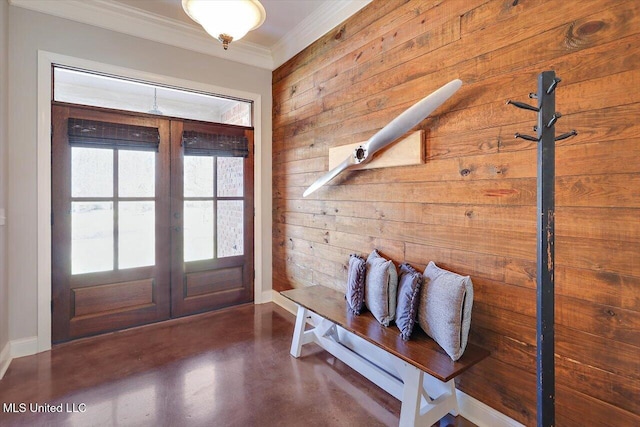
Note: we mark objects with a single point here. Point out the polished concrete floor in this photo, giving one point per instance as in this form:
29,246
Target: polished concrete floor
228,368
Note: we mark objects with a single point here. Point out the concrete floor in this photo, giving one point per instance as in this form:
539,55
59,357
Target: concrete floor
228,368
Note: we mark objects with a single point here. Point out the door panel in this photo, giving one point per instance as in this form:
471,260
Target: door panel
110,228
212,223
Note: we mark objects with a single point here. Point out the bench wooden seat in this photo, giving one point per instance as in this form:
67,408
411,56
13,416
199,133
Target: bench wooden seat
380,354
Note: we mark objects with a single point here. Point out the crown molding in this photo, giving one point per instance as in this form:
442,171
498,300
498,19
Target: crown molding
135,22
117,17
320,22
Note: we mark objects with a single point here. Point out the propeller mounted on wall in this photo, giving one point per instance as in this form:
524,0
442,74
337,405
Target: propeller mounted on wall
390,133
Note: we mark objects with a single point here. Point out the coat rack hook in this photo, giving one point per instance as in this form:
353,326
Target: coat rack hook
523,105
527,137
553,85
554,119
566,135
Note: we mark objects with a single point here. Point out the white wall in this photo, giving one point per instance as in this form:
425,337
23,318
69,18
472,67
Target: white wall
30,32
4,300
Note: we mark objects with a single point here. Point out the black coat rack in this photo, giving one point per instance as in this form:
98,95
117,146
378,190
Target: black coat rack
545,128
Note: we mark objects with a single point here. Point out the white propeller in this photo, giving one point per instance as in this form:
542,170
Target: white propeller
391,132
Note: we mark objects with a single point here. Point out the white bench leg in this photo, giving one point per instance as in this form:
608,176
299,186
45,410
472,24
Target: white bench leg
298,332
454,398
411,396
419,406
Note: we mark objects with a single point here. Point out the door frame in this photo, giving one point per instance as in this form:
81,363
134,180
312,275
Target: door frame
262,288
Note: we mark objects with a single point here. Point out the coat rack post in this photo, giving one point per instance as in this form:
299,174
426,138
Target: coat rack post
547,82
546,139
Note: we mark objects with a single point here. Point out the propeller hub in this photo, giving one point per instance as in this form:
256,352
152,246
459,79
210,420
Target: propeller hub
360,154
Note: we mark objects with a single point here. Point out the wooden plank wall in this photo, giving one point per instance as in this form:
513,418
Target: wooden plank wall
472,207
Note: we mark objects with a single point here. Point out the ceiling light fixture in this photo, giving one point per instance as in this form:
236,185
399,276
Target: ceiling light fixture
226,20
155,109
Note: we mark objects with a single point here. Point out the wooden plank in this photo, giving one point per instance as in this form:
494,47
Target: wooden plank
325,222
363,209
407,151
606,287
602,287
599,352
504,386
462,262
575,407
572,160
608,387
616,224
616,324
508,297
420,351
599,255
520,244
486,217
363,244
495,12
619,190
520,192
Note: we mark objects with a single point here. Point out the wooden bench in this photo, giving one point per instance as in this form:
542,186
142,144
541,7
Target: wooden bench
380,354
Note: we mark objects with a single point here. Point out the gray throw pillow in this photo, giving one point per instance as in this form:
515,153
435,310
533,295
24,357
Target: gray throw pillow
381,286
355,283
445,309
409,282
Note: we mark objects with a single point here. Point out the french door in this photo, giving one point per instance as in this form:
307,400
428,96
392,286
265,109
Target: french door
152,218
212,216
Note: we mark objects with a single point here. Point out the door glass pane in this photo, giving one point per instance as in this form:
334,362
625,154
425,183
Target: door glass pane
91,172
136,234
198,230
230,176
198,176
136,173
230,228
91,237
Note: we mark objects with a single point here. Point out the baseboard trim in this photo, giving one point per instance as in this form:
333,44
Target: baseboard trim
265,296
481,414
5,358
24,347
470,408
283,302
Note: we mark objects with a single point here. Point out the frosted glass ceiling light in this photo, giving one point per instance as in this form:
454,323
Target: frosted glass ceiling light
226,20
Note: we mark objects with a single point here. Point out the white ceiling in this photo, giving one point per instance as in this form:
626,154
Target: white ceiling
282,16
290,26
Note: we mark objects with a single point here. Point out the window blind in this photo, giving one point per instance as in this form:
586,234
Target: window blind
95,133
210,144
